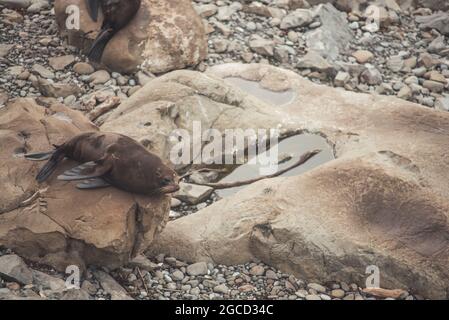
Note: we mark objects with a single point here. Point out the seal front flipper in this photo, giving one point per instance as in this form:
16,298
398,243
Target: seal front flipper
57,156
40,156
92,8
93,184
86,170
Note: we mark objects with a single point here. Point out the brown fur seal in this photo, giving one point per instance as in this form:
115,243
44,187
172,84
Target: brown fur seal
109,159
117,14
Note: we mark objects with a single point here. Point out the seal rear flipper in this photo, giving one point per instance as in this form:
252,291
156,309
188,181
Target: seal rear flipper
96,51
56,157
95,183
40,156
85,171
92,8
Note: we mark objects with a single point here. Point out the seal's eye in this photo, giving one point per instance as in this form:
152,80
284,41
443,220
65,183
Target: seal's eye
166,181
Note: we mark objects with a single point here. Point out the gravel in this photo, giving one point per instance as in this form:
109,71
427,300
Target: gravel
400,59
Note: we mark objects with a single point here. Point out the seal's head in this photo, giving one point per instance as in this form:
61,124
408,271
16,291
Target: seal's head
167,180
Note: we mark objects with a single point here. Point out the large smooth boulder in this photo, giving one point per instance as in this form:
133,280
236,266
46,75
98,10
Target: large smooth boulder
382,202
163,36
180,98
333,36
55,223
438,21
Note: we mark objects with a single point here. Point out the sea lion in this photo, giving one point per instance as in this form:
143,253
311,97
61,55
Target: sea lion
109,159
116,15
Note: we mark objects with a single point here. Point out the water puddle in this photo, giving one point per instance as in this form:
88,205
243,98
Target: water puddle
254,88
290,149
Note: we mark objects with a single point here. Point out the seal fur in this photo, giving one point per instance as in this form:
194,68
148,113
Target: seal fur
117,14
117,159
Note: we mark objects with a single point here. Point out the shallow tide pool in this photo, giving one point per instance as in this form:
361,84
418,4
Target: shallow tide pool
290,148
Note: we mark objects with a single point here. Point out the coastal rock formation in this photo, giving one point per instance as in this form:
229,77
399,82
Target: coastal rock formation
382,202
55,223
163,36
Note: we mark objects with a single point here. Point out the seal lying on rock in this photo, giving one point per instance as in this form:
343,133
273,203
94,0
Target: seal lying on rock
117,14
109,159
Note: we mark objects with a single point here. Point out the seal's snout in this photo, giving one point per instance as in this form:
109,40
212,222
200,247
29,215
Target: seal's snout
169,184
170,188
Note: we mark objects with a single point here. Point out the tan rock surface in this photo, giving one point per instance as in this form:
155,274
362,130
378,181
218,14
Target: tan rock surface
382,202
163,36
55,223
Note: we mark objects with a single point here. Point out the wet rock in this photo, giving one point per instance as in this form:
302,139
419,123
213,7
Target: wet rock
395,63
385,293
442,103
317,287
221,45
257,270
338,293
3,98
43,72
197,269
192,193
312,60
44,281
437,45
438,21
341,79
433,4
76,294
436,76
333,36
6,294
405,93
427,60
263,10
83,68
175,203
12,267
206,10
111,286
363,56
89,287
143,263
62,62
99,77
222,288
298,18
16,4
270,274
56,90
11,17
433,86
371,76
177,275
38,5
5,49
262,46
143,77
